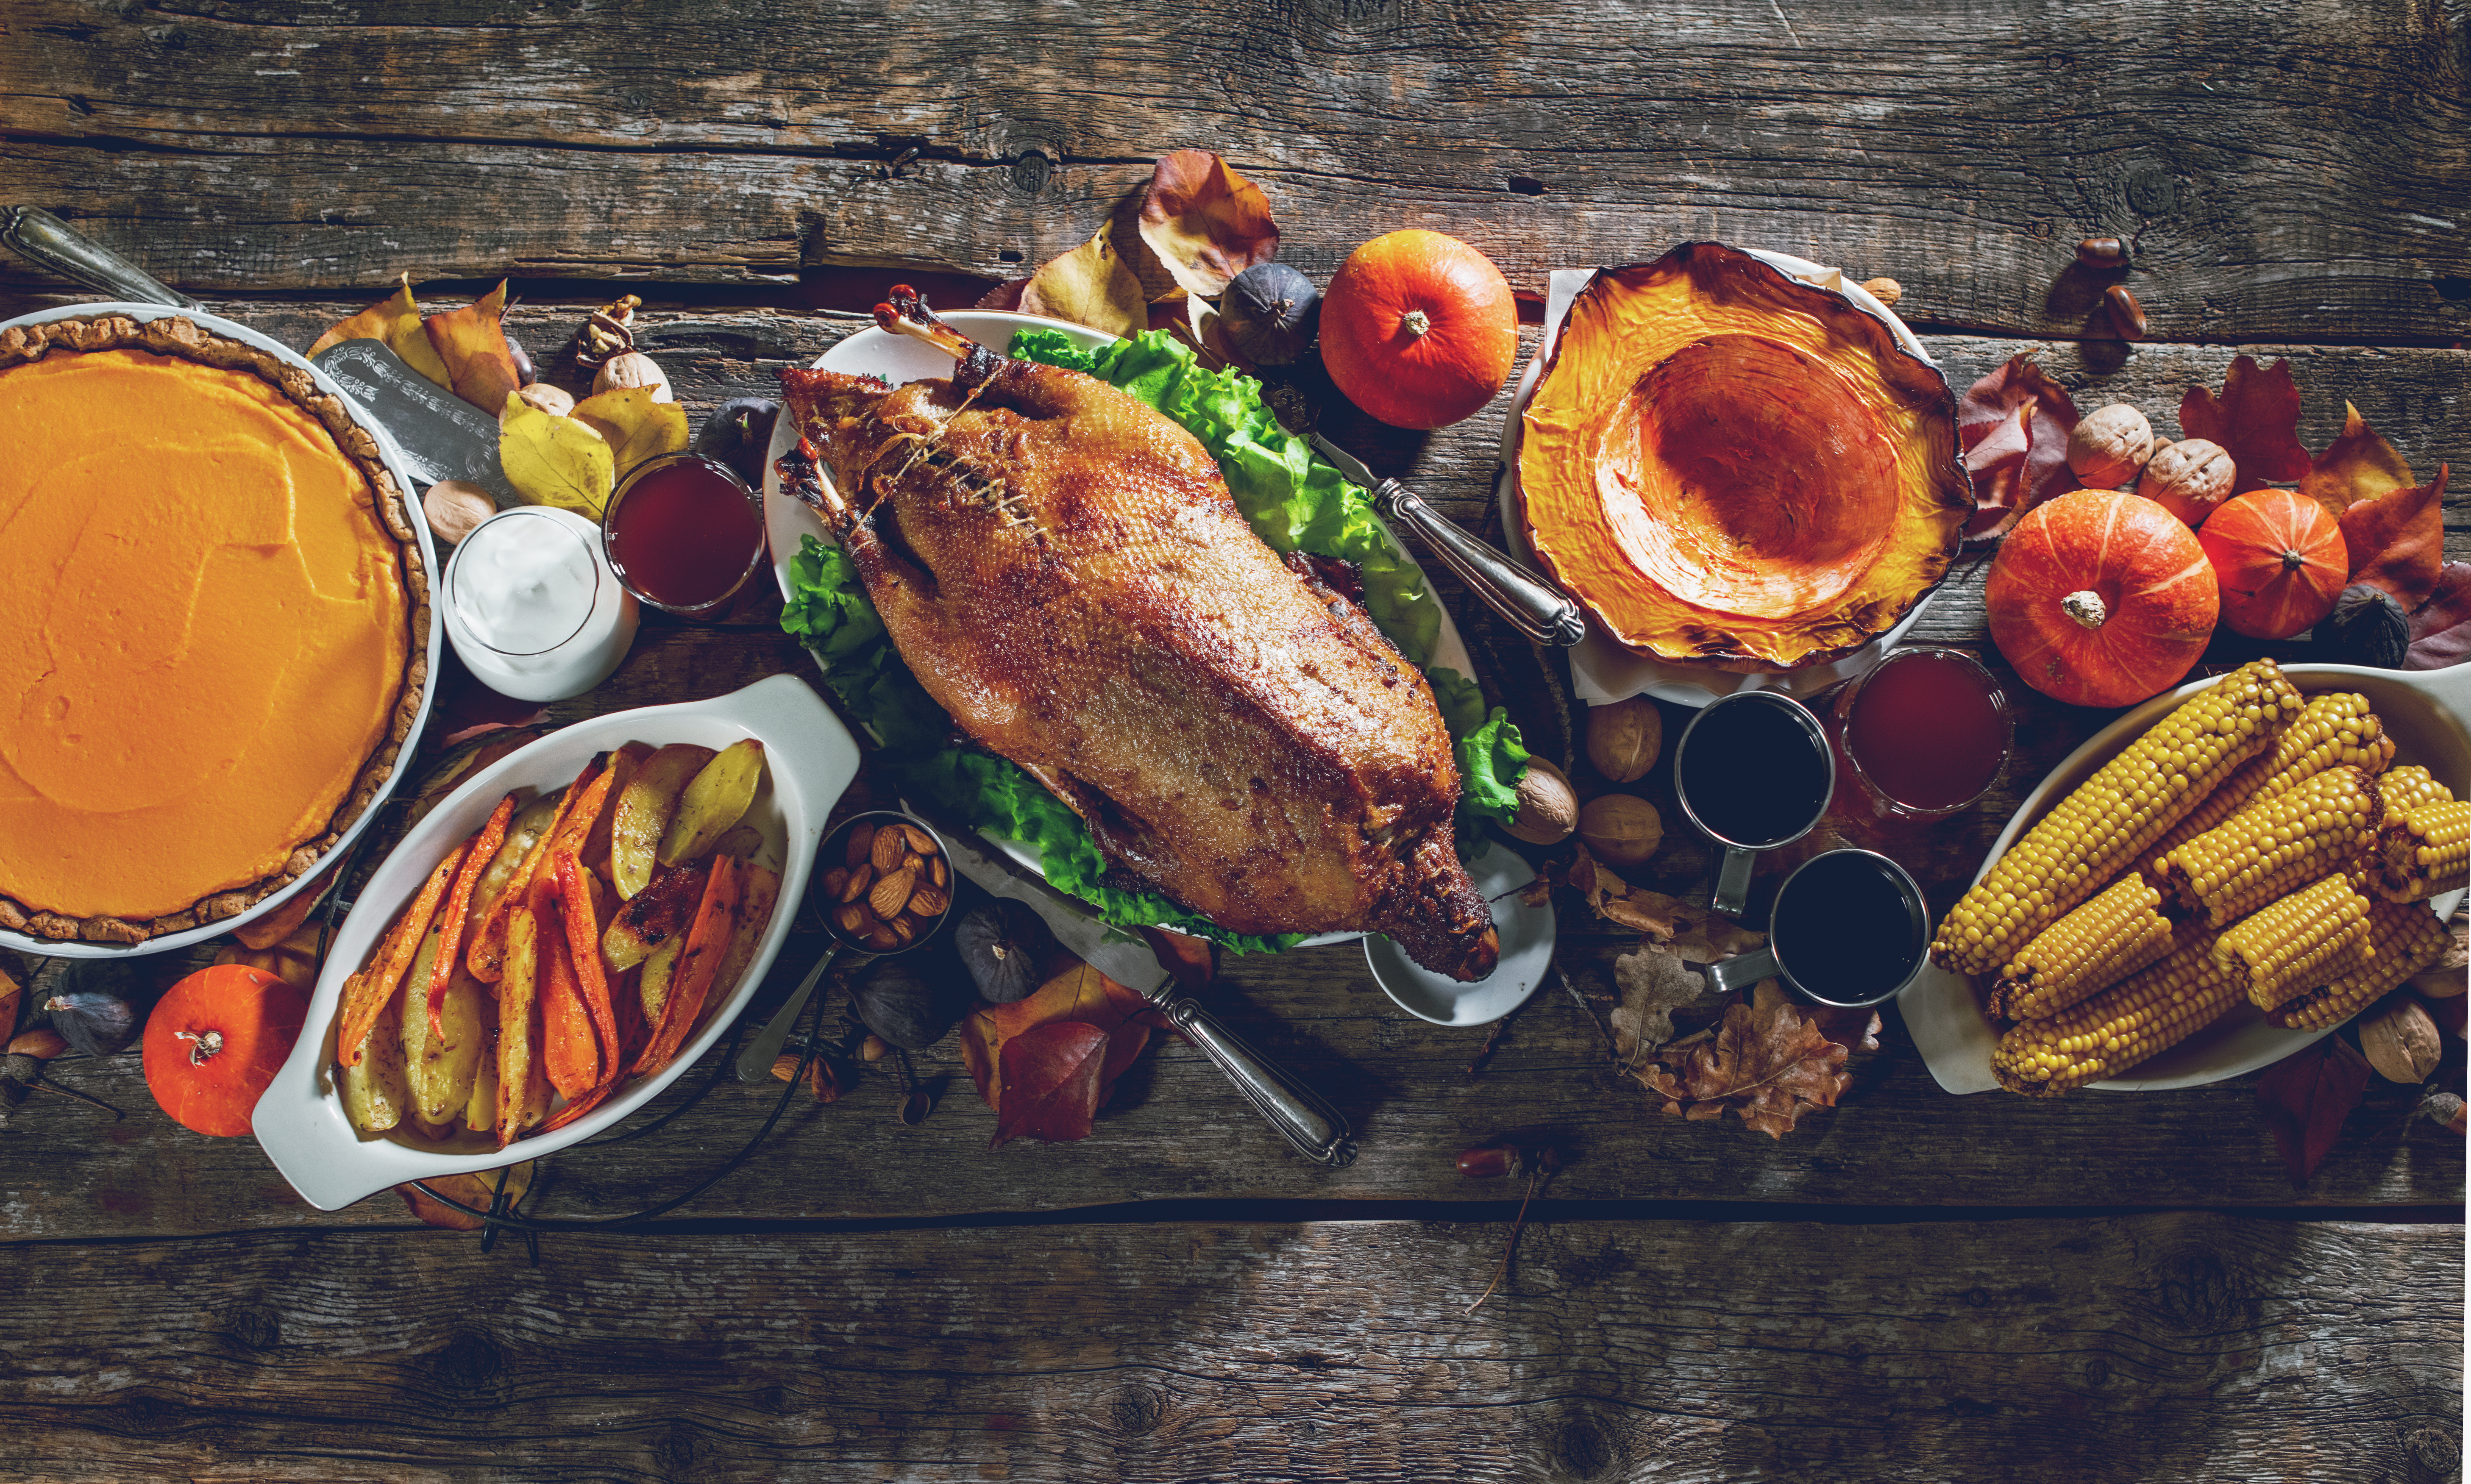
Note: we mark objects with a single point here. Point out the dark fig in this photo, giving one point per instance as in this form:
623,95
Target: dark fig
1268,314
2367,626
1001,943
739,433
96,1022
905,1007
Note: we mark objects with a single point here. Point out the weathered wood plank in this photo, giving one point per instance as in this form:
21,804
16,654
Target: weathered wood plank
2164,1346
1964,151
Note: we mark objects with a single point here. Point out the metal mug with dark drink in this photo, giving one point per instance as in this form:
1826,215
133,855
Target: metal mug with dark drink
1849,929
1752,772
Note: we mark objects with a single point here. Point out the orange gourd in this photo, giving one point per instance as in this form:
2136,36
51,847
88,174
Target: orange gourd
1418,329
2280,560
215,1041
2101,599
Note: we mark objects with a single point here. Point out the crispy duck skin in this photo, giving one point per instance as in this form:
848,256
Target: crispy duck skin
1063,568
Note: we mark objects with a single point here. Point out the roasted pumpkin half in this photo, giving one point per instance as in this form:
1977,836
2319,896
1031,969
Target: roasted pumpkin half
1737,470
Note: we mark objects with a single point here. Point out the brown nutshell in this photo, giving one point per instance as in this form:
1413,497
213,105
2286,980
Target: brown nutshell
1625,738
2127,315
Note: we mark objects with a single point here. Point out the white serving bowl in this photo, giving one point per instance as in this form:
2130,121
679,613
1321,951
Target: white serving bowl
810,759
2428,714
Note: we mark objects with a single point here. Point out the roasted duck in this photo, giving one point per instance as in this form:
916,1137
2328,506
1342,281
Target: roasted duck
1063,568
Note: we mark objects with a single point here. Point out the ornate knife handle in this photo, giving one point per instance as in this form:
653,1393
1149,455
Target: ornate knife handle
1313,1126
49,243
1534,606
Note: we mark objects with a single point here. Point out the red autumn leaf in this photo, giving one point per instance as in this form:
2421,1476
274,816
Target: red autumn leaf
471,341
1006,295
2359,465
1768,1064
1206,223
1049,1076
2014,425
2397,540
1073,991
2440,632
2306,1098
2256,421
475,1190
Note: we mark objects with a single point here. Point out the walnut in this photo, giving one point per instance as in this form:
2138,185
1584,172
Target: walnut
633,369
2188,478
2110,446
2400,1040
1621,829
1624,738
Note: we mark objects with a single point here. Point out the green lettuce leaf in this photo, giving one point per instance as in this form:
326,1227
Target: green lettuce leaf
1492,759
1461,701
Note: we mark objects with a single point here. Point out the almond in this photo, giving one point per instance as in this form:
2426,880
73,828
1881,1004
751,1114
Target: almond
889,843
935,870
929,902
892,893
854,919
862,840
859,878
905,928
834,879
919,839
881,939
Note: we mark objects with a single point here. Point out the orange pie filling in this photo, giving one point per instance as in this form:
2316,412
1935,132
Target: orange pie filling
203,631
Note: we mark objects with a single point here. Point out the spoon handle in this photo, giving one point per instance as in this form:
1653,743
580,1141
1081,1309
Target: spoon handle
755,1062
52,243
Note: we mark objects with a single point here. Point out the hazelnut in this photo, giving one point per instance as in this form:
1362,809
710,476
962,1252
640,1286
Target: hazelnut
2110,446
2400,1040
540,396
456,508
2188,478
1887,290
1621,829
2127,315
633,369
1549,808
1624,738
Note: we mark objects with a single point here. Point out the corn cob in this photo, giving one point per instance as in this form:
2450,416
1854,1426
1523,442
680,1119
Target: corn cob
2097,945
2134,1020
2406,788
2424,852
2271,849
2333,730
2408,938
2308,938
2112,819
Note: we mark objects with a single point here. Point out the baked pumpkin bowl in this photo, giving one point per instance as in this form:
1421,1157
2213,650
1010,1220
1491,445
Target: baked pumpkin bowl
1734,469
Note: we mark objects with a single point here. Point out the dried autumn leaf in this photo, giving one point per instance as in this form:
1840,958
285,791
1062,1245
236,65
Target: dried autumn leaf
2255,419
1768,1064
2397,540
634,425
2014,425
1049,1078
2306,1098
1073,991
555,461
1091,285
471,342
1690,931
1653,984
2359,465
393,321
2440,631
1206,223
475,1191
1006,295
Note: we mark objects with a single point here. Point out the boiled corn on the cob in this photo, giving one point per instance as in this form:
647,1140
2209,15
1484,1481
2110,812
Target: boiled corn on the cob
2110,821
2424,852
2406,788
2272,848
2333,730
2095,946
2408,938
2311,937
2132,1020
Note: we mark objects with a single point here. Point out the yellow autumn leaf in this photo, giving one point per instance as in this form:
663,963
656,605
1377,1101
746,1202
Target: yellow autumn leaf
393,321
555,461
2359,465
1091,285
635,426
471,342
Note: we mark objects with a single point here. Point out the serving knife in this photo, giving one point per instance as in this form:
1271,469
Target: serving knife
1308,1120
1532,604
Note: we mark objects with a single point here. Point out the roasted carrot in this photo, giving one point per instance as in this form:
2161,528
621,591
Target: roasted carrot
478,853
707,949
570,1048
367,992
583,948
488,958
518,1023
568,838
580,1106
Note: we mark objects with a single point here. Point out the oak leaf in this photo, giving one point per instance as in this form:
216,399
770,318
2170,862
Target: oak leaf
394,322
1693,933
1091,285
555,461
1653,984
634,425
2397,540
471,342
2440,631
2014,425
1206,223
1768,1064
2306,1098
2359,465
2255,419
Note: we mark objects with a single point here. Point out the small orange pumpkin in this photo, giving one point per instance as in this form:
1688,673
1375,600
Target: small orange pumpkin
215,1041
2101,599
1418,329
2280,559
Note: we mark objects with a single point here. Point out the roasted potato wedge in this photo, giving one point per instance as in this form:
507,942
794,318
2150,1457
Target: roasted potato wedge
441,1068
644,813
654,915
480,1111
377,1095
660,970
714,800
532,822
743,841
624,764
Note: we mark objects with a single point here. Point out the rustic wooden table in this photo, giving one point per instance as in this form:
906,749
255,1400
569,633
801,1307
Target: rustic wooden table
1913,1287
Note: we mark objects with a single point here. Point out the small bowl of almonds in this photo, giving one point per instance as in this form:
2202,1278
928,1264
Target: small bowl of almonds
891,885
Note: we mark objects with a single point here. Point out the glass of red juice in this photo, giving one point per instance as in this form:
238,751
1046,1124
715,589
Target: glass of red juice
1924,735
683,533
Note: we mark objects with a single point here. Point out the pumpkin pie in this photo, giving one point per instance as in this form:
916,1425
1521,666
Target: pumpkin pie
213,626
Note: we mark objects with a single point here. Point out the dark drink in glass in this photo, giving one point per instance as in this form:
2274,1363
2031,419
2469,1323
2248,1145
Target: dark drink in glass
1924,735
683,533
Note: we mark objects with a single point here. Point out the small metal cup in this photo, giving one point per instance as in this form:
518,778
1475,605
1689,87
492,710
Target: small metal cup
1733,876
1743,970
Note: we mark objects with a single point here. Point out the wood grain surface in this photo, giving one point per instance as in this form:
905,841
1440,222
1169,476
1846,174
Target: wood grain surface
2285,174
2170,1345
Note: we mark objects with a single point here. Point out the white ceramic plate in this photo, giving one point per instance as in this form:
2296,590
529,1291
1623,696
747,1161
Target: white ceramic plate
392,458
1526,951
901,359
810,759
2427,712
1604,670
